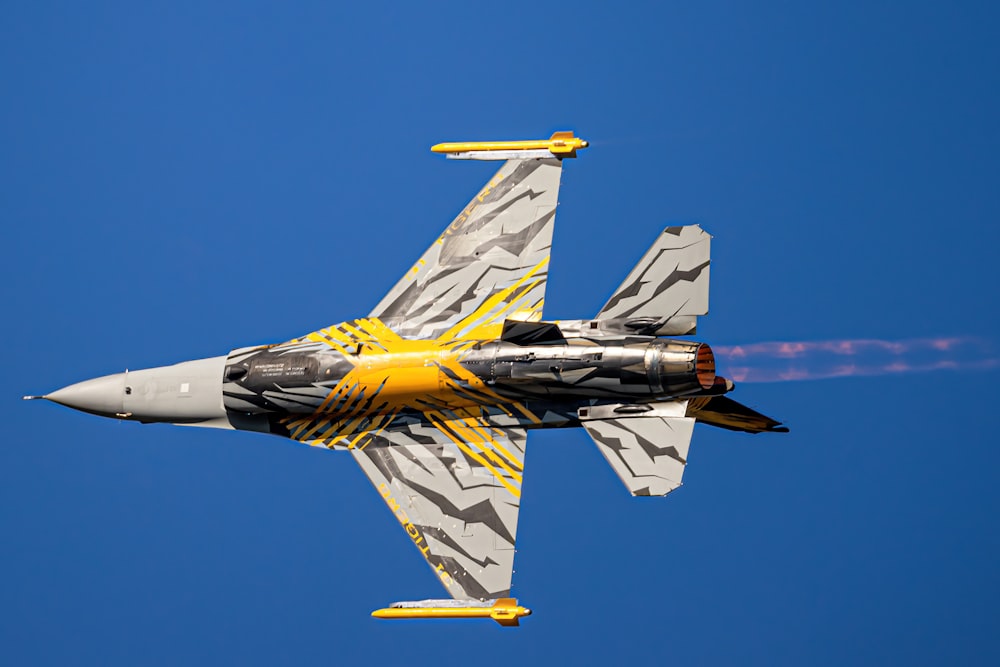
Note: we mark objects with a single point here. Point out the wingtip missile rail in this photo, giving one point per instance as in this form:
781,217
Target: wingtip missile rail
560,144
504,611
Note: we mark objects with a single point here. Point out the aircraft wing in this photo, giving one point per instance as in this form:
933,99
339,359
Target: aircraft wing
490,264
453,481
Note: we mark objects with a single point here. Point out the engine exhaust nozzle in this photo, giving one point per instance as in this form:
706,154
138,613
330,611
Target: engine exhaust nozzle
678,367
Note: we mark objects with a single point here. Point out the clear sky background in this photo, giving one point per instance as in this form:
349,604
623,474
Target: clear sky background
179,179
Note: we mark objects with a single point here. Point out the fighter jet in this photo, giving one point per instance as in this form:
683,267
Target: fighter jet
434,392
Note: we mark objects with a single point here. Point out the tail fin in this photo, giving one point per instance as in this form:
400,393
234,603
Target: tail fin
647,444
667,289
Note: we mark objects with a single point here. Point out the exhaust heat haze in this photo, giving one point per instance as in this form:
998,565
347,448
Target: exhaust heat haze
819,360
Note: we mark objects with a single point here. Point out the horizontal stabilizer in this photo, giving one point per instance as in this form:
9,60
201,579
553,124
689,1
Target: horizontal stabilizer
724,412
647,451
667,289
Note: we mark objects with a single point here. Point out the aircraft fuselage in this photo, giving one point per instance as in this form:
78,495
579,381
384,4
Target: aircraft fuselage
338,381
357,376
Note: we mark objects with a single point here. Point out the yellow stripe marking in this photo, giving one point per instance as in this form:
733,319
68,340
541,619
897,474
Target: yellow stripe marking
474,455
492,302
485,443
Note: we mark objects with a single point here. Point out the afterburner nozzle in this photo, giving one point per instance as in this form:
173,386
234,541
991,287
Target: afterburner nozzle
679,367
704,366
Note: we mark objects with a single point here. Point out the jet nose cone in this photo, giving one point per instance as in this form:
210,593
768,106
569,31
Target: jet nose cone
101,396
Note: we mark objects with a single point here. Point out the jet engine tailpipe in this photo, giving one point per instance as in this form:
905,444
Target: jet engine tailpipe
678,367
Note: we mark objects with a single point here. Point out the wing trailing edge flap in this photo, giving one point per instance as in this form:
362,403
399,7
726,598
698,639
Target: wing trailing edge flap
667,290
648,450
455,486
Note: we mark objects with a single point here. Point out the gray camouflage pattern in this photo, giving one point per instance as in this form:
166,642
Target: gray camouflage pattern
500,240
647,450
456,512
668,288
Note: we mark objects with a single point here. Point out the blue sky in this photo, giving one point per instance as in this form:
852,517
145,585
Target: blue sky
182,179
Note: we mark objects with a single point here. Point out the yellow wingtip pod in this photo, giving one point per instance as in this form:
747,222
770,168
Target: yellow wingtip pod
504,611
507,612
560,144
